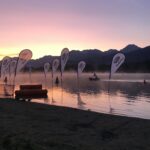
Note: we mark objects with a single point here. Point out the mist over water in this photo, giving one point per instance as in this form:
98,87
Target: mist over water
128,95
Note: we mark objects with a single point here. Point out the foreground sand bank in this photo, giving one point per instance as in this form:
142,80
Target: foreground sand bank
31,126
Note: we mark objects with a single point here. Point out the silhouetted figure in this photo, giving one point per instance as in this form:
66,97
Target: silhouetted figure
57,81
144,81
95,75
5,80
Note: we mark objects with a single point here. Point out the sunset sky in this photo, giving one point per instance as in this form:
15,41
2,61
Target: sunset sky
47,26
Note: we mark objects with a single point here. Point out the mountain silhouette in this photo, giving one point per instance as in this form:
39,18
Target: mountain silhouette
137,59
130,48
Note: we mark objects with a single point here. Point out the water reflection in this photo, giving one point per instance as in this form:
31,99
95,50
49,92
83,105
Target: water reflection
6,90
130,90
124,97
80,101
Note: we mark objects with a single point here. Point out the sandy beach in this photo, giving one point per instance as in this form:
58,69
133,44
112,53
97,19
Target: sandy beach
32,126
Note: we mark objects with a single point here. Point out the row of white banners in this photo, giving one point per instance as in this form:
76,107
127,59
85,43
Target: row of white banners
11,66
63,62
117,61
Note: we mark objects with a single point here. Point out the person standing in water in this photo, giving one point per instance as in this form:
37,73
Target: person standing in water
144,81
5,80
57,81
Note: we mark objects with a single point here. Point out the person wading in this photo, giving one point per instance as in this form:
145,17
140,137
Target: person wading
5,80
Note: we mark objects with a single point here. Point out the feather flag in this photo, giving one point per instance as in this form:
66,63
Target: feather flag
117,61
12,67
24,56
5,66
55,65
81,66
46,68
64,59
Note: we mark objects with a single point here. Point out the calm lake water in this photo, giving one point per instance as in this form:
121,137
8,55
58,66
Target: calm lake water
127,94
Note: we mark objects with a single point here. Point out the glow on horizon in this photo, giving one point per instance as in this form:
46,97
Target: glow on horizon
47,27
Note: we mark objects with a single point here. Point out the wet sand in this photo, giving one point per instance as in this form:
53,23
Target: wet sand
32,126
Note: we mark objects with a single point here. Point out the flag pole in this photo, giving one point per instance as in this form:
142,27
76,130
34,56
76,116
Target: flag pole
14,80
30,71
110,108
52,88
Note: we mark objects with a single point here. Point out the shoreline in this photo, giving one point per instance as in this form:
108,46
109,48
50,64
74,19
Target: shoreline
35,126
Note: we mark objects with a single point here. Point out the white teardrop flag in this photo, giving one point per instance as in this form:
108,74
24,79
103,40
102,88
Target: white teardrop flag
5,66
81,66
64,58
46,67
55,65
24,56
117,61
13,65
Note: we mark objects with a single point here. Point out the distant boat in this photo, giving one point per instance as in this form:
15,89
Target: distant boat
94,77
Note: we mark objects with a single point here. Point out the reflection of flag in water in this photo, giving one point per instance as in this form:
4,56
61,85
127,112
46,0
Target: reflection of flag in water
5,66
55,65
81,66
8,90
30,73
64,58
46,69
80,102
117,61
24,56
